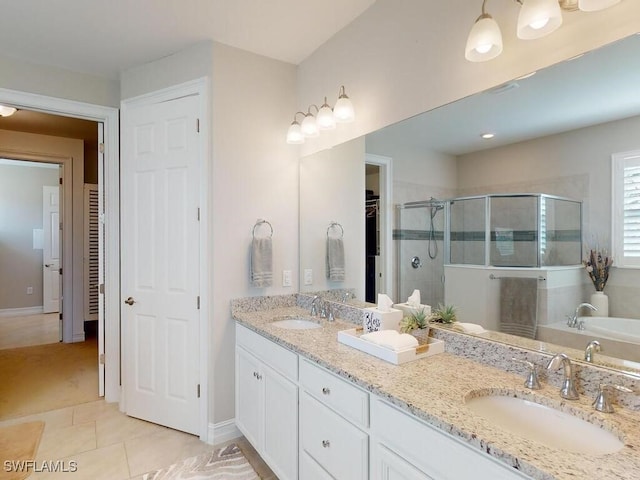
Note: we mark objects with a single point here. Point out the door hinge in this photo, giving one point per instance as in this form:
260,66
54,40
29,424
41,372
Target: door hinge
198,302
60,271
197,125
60,180
60,226
198,213
101,359
198,390
101,147
60,316
101,288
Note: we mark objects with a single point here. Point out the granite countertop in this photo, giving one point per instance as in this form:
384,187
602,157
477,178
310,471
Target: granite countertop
434,389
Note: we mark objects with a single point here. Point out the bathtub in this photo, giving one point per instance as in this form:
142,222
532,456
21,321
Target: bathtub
619,337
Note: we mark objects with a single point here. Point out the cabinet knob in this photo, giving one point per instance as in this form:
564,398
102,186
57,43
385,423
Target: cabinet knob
326,391
325,443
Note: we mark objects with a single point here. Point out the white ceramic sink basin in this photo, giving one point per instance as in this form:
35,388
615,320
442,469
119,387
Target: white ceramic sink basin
296,324
545,425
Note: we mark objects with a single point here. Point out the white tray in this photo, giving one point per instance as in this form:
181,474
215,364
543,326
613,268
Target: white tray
352,338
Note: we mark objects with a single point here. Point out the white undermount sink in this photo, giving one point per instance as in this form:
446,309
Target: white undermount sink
296,324
544,424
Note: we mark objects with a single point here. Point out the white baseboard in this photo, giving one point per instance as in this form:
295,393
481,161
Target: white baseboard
222,432
20,312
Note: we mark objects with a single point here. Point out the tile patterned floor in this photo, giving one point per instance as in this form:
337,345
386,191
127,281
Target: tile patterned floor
108,445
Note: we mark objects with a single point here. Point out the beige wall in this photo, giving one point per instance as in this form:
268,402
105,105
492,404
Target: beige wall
69,152
255,175
399,59
21,213
22,76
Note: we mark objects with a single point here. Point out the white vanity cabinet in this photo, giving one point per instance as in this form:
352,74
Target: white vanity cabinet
333,417
404,447
267,400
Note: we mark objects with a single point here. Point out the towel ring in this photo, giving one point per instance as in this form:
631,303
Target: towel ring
334,225
261,222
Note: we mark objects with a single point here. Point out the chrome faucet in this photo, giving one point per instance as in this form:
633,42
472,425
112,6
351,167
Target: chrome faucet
568,389
314,306
330,315
572,321
532,376
346,296
602,403
592,346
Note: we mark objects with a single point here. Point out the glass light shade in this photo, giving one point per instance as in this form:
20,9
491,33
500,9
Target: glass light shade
595,5
538,18
343,111
294,134
7,111
484,41
325,118
309,126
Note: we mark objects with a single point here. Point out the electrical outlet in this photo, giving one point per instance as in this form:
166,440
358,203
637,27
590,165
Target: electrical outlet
286,278
308,276
29,290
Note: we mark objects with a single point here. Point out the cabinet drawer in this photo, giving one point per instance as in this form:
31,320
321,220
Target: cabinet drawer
434,452
346,399
338,446
310,470
277,357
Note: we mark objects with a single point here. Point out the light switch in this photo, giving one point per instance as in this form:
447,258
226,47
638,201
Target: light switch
308,276
286,278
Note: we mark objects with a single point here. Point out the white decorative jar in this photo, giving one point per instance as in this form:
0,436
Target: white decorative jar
601,301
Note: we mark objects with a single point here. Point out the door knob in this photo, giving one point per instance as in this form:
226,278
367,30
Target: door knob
130,301
47,265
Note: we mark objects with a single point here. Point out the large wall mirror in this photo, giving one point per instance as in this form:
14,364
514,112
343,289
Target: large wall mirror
555,133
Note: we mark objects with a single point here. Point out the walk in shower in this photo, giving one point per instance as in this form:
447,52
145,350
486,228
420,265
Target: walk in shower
419,235
491,257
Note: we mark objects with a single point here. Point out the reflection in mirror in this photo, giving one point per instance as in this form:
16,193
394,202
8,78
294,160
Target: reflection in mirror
555,133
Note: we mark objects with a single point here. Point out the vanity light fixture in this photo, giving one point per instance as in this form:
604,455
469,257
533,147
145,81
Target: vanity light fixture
537,18
7,111
324,119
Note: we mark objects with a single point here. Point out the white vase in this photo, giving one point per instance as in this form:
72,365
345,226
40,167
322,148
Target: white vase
601,302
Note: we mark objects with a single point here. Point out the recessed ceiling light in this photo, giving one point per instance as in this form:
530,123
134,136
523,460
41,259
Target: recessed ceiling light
487,136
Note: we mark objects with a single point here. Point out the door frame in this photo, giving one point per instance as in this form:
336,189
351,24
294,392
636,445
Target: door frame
200,88
386,216
110,183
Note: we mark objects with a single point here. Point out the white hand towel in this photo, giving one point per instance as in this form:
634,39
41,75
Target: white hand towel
261,262
335,259
402,341
468,328
380,337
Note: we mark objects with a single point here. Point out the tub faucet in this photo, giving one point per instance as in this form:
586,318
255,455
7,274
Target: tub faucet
568,389
572,321
592,346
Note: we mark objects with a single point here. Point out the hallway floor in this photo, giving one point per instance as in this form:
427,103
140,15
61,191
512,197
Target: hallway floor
29,330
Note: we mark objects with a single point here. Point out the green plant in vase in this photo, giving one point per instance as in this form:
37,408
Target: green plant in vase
444,314
414,321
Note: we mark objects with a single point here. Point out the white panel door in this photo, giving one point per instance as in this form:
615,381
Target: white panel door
51,249
160,264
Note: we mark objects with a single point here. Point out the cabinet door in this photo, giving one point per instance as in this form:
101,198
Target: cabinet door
310,470
386,465
280,449
249,398
337,445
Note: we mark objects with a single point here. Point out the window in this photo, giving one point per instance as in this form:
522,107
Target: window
626,208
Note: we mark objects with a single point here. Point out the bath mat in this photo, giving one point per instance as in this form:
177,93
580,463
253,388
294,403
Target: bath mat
222,464
18,445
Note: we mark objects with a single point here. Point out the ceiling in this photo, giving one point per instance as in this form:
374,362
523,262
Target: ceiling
106,37
598,87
